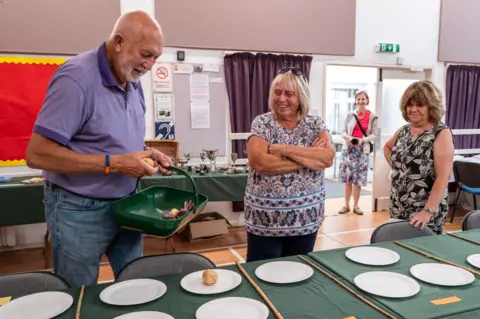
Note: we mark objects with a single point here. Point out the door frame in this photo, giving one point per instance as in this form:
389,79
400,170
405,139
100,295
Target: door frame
380,68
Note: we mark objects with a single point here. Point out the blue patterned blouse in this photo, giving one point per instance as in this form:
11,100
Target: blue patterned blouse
289,204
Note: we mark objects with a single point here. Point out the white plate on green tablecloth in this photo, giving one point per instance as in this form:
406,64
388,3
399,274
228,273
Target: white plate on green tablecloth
232,308
441,274
474,260
373,256
283,272
42,305
145,315
387,284
133,292
227,280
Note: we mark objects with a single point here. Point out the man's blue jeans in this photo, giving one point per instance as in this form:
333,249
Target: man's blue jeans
82,230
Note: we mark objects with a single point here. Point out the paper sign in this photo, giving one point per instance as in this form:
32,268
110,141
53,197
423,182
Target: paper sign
445,301
200,115
211,68
163,107
4,300
199,88
164,131
162,77
183,68
216,80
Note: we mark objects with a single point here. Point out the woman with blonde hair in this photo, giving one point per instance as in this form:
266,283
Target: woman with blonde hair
287,152
359,136
421,157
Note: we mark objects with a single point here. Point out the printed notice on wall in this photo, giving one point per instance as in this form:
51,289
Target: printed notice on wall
200,115
162,77
199,88
163,107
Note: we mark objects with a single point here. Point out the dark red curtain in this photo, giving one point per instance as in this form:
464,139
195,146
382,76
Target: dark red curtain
248,77
463,103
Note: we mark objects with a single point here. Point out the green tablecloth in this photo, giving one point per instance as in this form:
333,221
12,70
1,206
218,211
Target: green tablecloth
469,234
318,297
418,306
23,203
217,187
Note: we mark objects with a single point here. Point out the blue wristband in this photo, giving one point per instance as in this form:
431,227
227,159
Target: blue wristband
107,164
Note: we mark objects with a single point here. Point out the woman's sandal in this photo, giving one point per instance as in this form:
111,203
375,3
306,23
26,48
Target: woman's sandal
358,211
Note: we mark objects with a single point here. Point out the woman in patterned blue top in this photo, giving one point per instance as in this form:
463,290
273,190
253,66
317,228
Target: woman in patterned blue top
287,151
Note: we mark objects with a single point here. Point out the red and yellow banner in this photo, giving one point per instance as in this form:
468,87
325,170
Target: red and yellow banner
23,86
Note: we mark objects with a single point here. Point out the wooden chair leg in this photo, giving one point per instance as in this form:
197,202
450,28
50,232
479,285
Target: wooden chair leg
474,202
172,243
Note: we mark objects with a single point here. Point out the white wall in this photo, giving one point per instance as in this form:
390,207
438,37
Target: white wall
411,23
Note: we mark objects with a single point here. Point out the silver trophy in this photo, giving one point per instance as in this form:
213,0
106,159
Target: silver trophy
233,157
203,155
212,156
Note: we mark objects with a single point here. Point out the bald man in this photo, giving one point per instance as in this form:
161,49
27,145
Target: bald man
89,141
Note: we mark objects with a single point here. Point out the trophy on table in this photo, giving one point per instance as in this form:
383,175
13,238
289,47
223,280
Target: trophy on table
234,157
203,155
184,161
212,156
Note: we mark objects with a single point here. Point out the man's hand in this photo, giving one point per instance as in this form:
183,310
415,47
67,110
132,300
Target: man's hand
132,164
162,160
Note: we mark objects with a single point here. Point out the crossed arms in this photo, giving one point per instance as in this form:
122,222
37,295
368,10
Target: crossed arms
275,159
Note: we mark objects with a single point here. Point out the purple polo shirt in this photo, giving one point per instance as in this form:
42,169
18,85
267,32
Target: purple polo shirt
86,111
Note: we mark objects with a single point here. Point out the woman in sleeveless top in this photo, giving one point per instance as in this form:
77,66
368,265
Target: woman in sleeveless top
421,157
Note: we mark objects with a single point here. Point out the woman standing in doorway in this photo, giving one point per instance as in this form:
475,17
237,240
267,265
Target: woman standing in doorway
359,136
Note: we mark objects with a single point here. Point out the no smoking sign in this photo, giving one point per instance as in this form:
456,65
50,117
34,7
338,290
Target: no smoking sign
162,77
162,72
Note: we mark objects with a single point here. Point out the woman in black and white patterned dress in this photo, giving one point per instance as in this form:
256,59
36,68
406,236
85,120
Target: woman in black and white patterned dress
421,156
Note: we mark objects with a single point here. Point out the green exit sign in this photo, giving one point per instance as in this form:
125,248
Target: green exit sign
387,47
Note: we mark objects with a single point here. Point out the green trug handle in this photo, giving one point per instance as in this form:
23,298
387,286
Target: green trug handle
182,172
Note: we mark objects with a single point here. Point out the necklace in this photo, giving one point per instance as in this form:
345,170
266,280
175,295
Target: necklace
363,115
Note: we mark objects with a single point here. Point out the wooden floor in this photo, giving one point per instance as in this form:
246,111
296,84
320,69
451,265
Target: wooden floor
337,231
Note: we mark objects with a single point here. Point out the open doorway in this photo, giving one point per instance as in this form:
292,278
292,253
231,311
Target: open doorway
342,83
385,86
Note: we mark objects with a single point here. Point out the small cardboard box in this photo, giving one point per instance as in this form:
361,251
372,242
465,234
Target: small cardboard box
207,226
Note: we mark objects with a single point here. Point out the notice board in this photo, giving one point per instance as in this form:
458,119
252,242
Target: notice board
193,141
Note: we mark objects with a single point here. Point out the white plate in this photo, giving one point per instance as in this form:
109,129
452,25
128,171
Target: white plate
373,256
387,284
133,292
145,315
43,305
474,260
227,280
441,274
283,272
232,308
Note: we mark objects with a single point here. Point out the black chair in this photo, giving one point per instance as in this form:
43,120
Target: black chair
467,179
397,231
471,220
159,265
22,284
